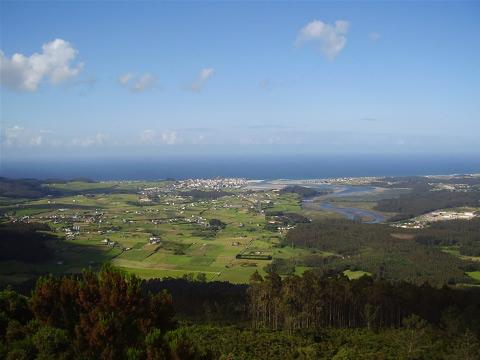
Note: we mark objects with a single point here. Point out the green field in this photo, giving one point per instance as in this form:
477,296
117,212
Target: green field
453,250
356,274
114,225
474,275
154,229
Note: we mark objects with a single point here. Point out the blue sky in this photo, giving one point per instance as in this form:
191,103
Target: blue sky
166,78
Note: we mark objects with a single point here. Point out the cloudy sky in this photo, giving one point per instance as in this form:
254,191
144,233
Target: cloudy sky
114,78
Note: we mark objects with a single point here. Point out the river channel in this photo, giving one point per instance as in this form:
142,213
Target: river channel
324,202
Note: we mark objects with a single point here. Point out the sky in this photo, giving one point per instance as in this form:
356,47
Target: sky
152,78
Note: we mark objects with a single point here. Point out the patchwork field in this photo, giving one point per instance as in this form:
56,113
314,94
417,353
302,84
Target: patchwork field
226,229
156,235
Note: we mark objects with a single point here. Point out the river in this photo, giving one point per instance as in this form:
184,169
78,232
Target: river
323,202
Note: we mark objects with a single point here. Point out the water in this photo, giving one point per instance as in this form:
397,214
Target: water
351,213
248,166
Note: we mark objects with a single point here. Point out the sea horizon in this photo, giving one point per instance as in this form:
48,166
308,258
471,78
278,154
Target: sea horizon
266,167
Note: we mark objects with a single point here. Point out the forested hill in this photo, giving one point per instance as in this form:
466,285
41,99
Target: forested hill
17,189
420,202
303,191
24,188
389,253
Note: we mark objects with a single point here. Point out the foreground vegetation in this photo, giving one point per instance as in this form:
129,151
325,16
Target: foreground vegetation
111,315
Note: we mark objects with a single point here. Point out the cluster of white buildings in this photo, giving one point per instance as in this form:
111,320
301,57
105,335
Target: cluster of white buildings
194,184
210,184
434,216
441,215
191,220
450,187
153,240
366,180
71,233
109,242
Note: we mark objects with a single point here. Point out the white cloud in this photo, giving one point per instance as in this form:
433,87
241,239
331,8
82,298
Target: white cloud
330,38
270,84
125,78
374,36
167,137
138,83
198,139
36,140
18,136
202,78
265,83
97,139
25,73
147,136
145,82
13,136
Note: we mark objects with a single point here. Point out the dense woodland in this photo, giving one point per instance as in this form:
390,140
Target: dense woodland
36,189
25,242
316,301
304,192
113,316
196,299
387,253
420,201
426,182
462,233
24,188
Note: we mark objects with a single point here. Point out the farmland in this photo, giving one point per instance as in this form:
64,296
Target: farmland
224,229
154,234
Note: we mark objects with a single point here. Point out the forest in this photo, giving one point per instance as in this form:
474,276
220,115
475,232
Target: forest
36,189
396,255
420,201
303,191
111,315
24,188
317,300
461,233
25,242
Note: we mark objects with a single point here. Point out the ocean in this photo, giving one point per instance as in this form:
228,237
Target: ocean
252,167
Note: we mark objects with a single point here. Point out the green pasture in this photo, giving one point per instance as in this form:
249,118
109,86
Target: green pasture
474,275
186,247
453,250
352,275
